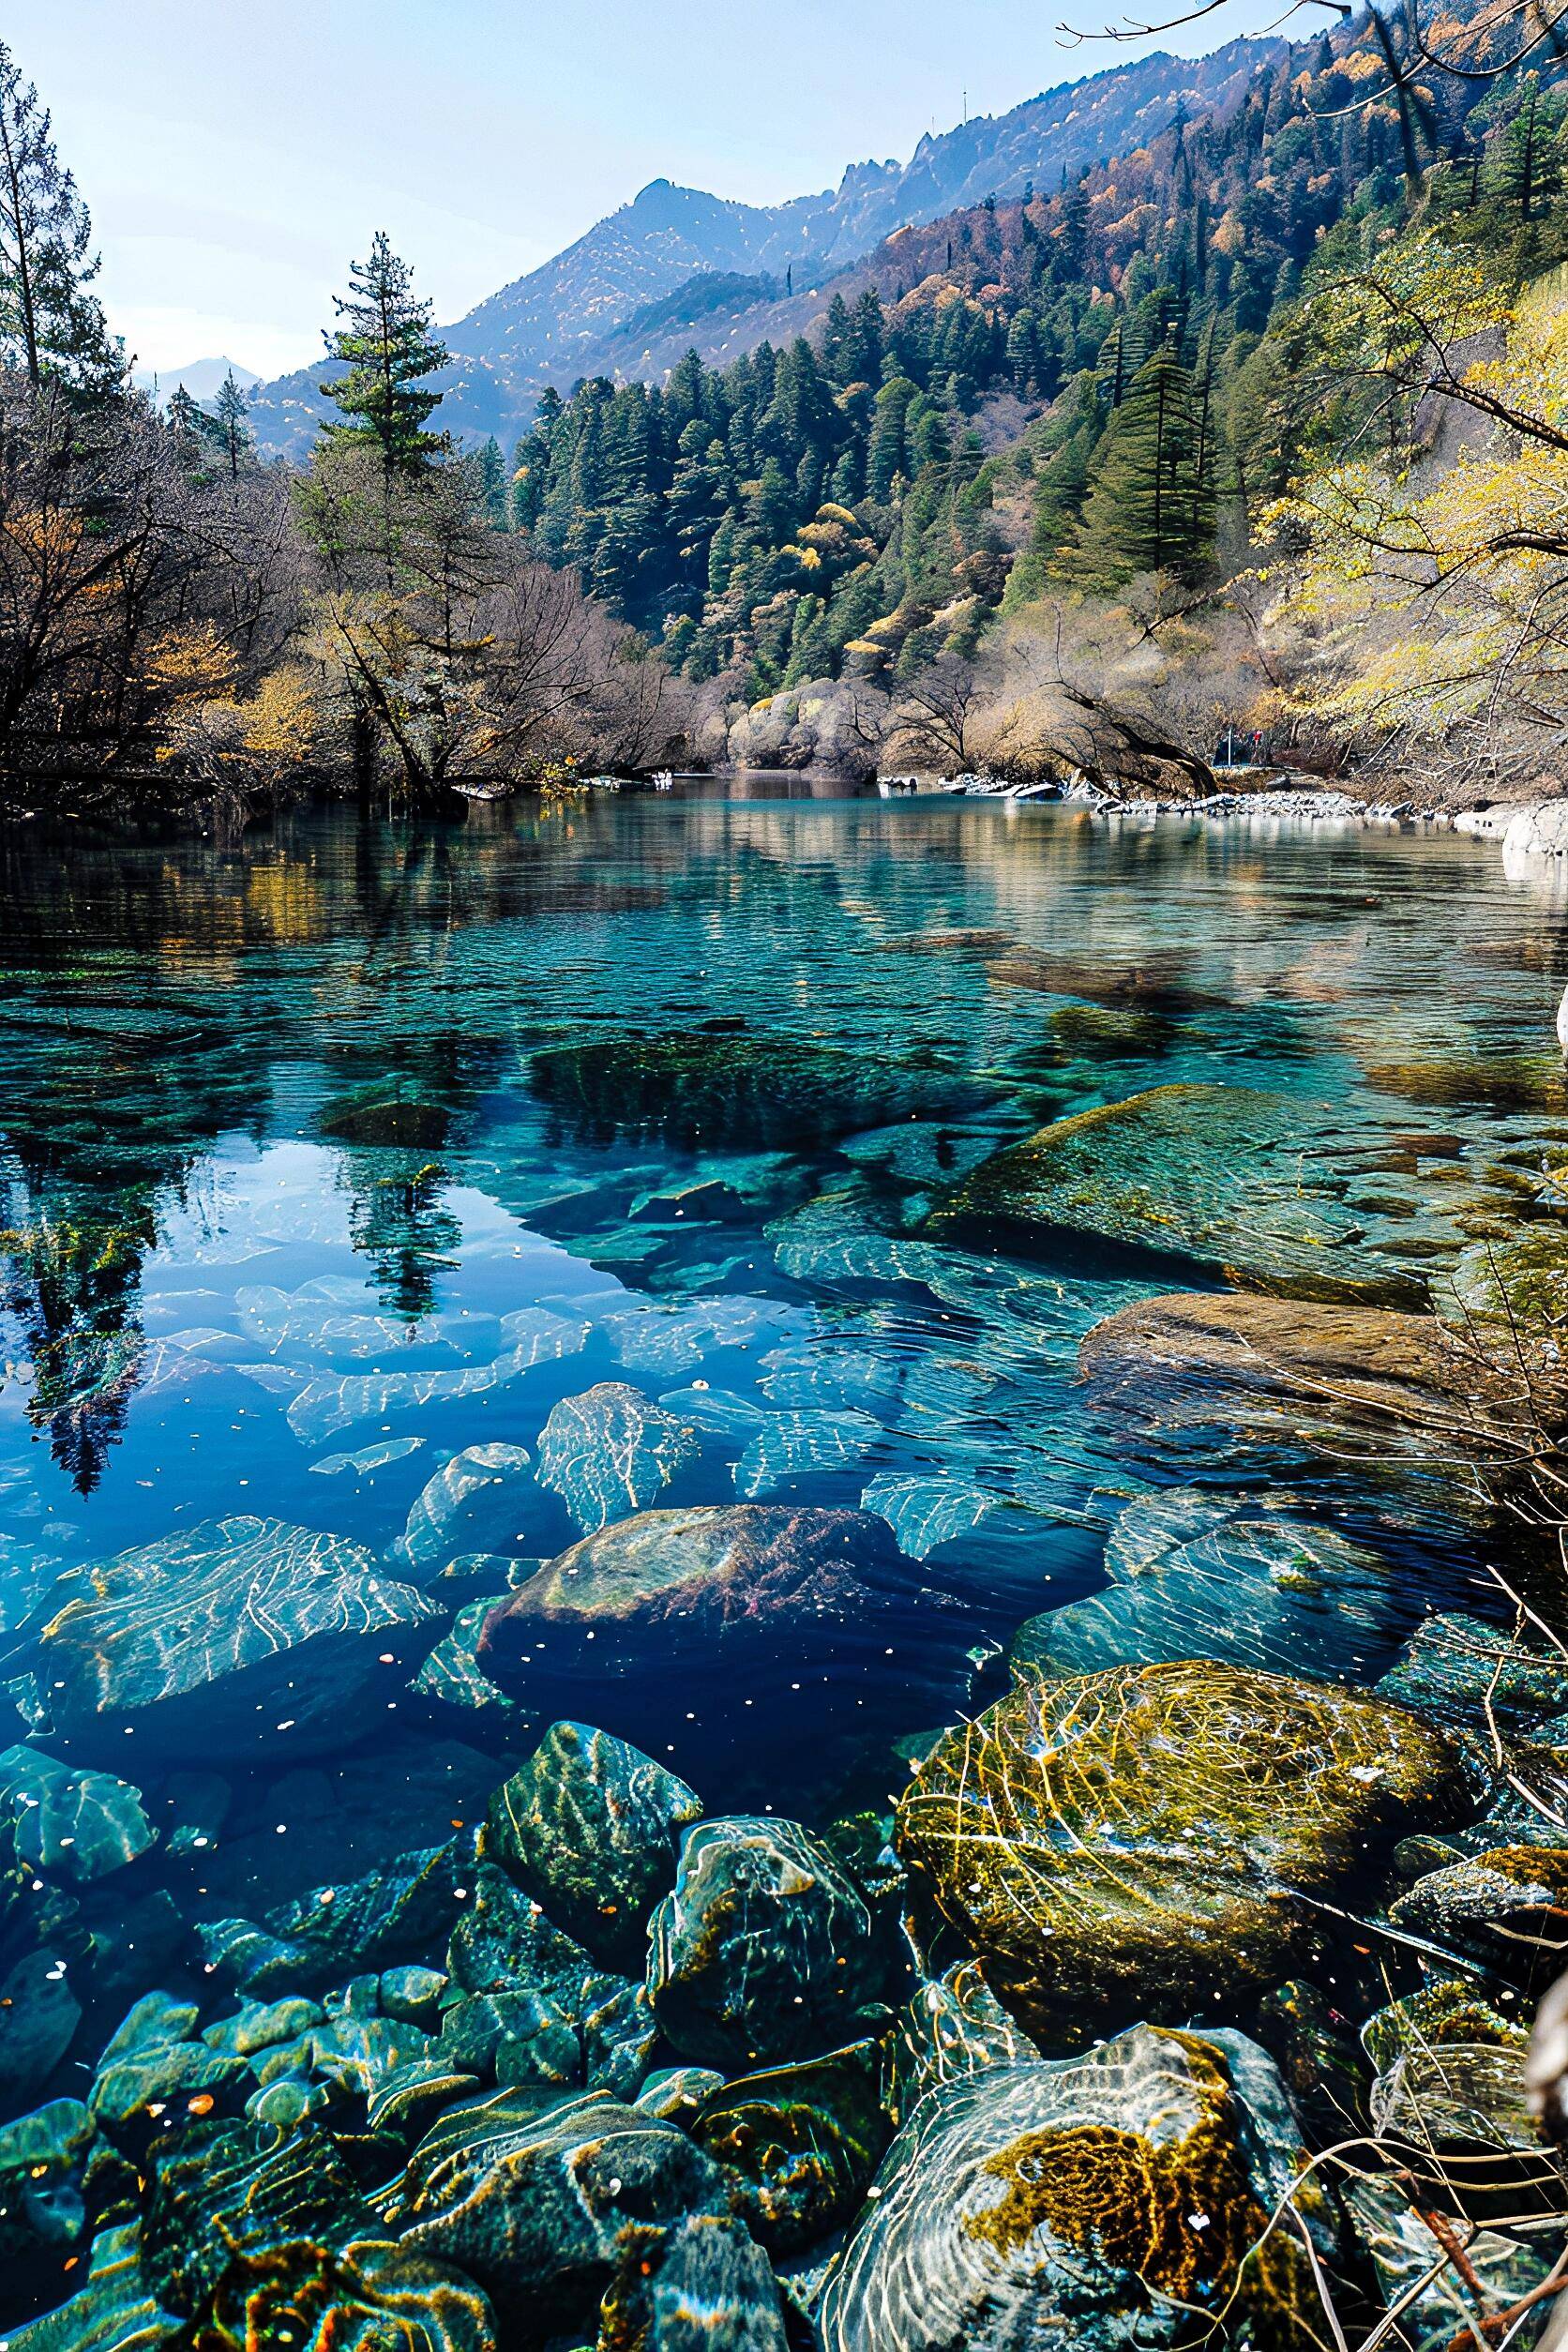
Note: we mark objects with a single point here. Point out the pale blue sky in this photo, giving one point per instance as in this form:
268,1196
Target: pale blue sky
235,158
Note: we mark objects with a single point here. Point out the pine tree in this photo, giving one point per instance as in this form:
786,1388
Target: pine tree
1150,508
389,349
231,409
492,484
52,324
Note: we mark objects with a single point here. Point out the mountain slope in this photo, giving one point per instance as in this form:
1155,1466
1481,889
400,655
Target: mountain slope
568,318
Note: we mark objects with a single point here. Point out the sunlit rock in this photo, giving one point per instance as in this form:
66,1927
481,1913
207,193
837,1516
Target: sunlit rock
1107,2198
1149,1839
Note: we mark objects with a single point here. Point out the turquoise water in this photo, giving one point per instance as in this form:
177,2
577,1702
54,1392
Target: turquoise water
227,1294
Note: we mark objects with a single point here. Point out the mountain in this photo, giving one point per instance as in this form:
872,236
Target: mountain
575,315
202,379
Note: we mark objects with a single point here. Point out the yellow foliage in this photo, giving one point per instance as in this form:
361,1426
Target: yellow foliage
1464,566
281,719
190,664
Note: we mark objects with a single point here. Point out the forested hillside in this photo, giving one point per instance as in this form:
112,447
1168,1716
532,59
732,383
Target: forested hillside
1093,383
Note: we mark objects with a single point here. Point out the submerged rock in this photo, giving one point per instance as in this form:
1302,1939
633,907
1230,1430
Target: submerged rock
468,1497
205,1642
546,2210
73,1824
1477,1677
763,1951
1102,2200
43,2213
611,1451
38,2017
1436,2304
387,1116
638,1626
257,2241
800,2143
1448,2103
1357,1386
1269,1591
724,1091
1495,1081
1226,1176
1142,1839
1505,1906
953,2026
592,1827
709,2289
398,1910
115,2310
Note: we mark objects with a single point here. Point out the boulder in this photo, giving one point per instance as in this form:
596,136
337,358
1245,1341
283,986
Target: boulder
1359,1390
1540,831
546,2209
673,1613
1100,2201
721,1090
1229,1178
211,1641
764,1950
592,1828
1142,1840
952,2026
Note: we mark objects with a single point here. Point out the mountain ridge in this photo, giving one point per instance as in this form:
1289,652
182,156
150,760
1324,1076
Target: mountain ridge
568,318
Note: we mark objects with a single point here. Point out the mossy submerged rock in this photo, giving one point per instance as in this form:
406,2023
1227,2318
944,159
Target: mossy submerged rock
259,2240
800,2143
544,2208
592,1827
1504,1906
1135,1841
1101,2200
672,1610
763,1951
202,1643
1449,2104
1103,1032
1226,1176
727,1090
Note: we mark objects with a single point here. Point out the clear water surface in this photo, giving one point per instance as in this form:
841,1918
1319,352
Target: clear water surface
213,1256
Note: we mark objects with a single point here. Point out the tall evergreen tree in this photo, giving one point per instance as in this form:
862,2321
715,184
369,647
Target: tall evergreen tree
231,408
1150,508
386,345
52,323
492,484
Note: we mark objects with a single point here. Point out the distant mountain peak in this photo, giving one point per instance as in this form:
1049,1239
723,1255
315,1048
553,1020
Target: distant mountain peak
573,315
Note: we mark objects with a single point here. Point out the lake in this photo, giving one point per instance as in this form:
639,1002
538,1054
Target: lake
401,1207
